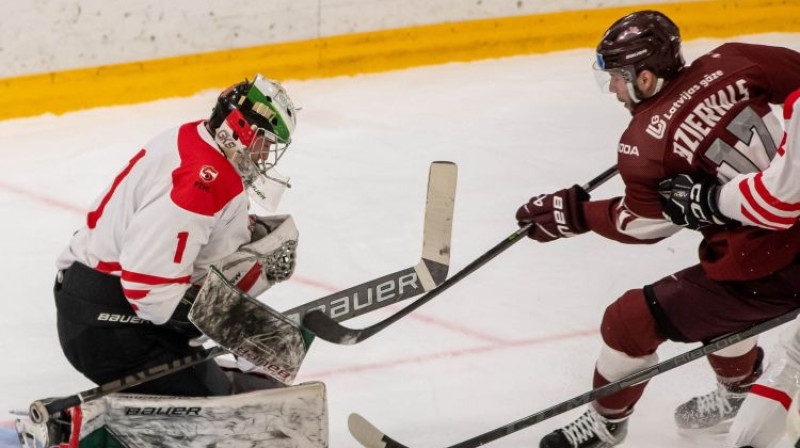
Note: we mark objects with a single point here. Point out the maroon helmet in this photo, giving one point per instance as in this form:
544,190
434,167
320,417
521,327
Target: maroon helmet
644,40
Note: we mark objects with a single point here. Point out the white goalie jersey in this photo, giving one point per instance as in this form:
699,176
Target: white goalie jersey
771,198
176,208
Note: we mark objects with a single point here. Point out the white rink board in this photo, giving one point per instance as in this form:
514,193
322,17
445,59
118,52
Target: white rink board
53,35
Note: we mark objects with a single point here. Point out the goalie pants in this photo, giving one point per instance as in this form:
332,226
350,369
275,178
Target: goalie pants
104,340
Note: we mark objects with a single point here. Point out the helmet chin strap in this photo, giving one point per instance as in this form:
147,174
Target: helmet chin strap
637,95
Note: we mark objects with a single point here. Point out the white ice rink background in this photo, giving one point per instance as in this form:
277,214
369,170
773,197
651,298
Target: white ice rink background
511,339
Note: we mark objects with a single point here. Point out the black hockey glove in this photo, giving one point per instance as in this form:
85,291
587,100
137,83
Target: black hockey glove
691,204
180,317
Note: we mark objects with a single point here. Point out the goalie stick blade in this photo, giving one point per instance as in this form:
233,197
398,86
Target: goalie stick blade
368,435
438,229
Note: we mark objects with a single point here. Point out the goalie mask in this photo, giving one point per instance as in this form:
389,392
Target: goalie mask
252,124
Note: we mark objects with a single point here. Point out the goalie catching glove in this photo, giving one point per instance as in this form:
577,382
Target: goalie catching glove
267,259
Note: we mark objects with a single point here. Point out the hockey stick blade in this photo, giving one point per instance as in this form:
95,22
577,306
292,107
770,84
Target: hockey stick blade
368,435
428,273
330,330
371,437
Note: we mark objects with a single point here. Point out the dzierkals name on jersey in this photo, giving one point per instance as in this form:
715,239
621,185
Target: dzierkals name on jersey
658,124
697,124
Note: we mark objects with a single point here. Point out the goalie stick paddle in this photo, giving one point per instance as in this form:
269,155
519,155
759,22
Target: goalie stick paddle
328,329
371,437
429,272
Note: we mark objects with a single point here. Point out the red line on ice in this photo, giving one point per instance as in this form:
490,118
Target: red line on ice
450,354
42,199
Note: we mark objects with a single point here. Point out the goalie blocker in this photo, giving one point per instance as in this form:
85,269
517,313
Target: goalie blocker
248,328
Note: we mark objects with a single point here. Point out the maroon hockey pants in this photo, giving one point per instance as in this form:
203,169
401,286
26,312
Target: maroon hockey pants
690,307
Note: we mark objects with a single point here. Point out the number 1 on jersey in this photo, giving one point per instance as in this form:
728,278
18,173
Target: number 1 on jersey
182,237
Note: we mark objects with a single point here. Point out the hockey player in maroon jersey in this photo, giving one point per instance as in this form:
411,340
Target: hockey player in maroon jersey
769,199
711,118
128,277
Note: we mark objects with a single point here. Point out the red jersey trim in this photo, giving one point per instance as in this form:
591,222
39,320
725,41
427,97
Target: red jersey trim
94,216
135,294
108,267
772,220
249,279
788,104
193,189
761,189
147,279
782,146
755,219
772,394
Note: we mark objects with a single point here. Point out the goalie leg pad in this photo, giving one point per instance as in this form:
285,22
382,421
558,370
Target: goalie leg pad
266,418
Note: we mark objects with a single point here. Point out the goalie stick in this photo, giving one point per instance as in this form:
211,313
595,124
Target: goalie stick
371,437
429,272
328,329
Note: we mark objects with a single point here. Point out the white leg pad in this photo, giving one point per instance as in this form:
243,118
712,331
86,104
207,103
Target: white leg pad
265,418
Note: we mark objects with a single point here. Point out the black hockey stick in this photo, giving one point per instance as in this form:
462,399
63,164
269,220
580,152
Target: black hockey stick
374,294
371,437
328,329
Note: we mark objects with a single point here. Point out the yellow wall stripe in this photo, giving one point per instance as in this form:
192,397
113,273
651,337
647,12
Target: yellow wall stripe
64,91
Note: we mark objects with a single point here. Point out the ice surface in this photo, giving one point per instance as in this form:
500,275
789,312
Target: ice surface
513,338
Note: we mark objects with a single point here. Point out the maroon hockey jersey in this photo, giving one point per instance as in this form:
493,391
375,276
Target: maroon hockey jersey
713,119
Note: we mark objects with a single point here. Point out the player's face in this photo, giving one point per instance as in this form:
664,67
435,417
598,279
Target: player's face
618,86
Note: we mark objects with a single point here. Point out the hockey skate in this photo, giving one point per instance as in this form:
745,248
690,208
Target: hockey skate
590,430
712,412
